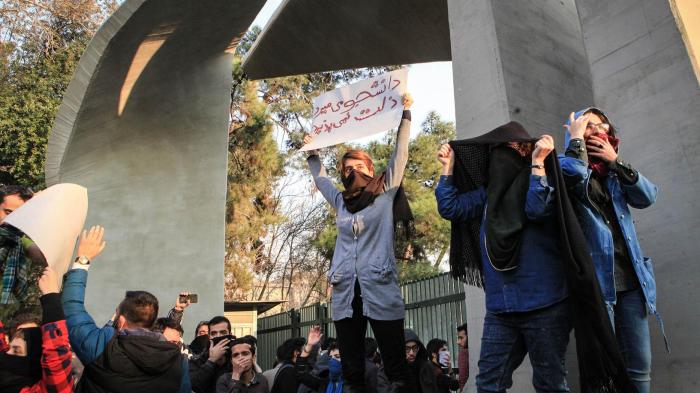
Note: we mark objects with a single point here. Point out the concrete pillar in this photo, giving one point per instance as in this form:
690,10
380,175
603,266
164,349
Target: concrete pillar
144,127
644,80
515,60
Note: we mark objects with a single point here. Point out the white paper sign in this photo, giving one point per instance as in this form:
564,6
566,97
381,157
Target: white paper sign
53,219
355,111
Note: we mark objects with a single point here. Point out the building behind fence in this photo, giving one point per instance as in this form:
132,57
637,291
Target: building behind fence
435,306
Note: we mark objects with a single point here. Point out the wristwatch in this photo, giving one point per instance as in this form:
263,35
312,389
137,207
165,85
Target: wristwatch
83,260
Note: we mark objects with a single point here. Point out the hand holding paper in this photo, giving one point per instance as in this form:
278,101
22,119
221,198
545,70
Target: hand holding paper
53,220
48,282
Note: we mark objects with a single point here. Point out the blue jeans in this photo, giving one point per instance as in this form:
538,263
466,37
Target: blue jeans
631,323
508,337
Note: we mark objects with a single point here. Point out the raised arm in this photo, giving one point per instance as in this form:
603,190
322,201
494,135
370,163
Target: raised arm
397,164
452,205
323,182
87,340
539,201
57,375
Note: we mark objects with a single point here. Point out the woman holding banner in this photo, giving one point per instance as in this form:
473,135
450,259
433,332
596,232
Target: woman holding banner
363,271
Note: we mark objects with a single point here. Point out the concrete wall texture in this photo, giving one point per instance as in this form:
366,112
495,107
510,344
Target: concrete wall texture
144,128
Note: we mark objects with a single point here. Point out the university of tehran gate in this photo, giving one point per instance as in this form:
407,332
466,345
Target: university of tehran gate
143,123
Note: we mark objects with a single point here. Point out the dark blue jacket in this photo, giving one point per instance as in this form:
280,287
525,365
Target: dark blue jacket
539,279
88,341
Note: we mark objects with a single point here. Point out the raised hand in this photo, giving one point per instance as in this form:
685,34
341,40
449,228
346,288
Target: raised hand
543,147
577,127
407,101
181,306
48,282
91,243
446,157
314,336
307,140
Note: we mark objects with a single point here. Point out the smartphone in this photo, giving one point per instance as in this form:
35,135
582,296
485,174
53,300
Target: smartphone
192,297
216,340
442,359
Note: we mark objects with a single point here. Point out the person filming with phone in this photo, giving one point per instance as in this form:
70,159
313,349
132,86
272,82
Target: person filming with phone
208,367
444,378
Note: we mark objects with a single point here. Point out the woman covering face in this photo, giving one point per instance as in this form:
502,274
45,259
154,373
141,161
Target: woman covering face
363,271
604,186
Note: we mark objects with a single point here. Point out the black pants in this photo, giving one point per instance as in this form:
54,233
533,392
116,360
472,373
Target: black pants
390,339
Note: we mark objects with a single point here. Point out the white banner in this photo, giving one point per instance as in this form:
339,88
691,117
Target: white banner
358,110
53,219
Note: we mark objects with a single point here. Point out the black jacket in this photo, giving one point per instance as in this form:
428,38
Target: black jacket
131,364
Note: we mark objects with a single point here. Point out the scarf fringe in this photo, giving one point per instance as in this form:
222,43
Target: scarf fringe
613,384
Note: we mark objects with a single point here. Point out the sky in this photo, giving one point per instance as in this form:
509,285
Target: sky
430,84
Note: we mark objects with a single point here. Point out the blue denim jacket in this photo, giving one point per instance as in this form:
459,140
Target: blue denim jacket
640,195
539,279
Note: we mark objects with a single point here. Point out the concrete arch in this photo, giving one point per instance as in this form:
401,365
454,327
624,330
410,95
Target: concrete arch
143,126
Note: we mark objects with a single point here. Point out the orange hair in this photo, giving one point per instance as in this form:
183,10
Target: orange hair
357,155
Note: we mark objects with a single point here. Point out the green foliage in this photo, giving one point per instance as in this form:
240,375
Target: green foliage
254,166
31,94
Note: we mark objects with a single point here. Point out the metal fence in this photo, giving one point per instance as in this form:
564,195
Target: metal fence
435,306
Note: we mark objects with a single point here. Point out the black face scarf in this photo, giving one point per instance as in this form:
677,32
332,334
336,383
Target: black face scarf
601,365
471,171
509,178
18,372
361,190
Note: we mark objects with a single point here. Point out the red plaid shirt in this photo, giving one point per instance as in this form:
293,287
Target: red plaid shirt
4,345
56,361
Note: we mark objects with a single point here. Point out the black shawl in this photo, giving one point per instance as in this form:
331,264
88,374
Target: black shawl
601,366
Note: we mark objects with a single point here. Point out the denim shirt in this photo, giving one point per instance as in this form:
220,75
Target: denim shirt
364,248
539,279
639,195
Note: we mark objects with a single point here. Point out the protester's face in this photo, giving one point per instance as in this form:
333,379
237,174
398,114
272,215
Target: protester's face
335,354
596,125
220,329
462,339
172,335
18,347
411,351
9,204
243,353
203,330
351,163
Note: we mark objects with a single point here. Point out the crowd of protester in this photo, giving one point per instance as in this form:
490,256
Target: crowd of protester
550,239
63,349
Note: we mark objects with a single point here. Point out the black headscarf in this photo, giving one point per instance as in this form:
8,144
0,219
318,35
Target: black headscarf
601,365
471,171
509,175
361,190
18,372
